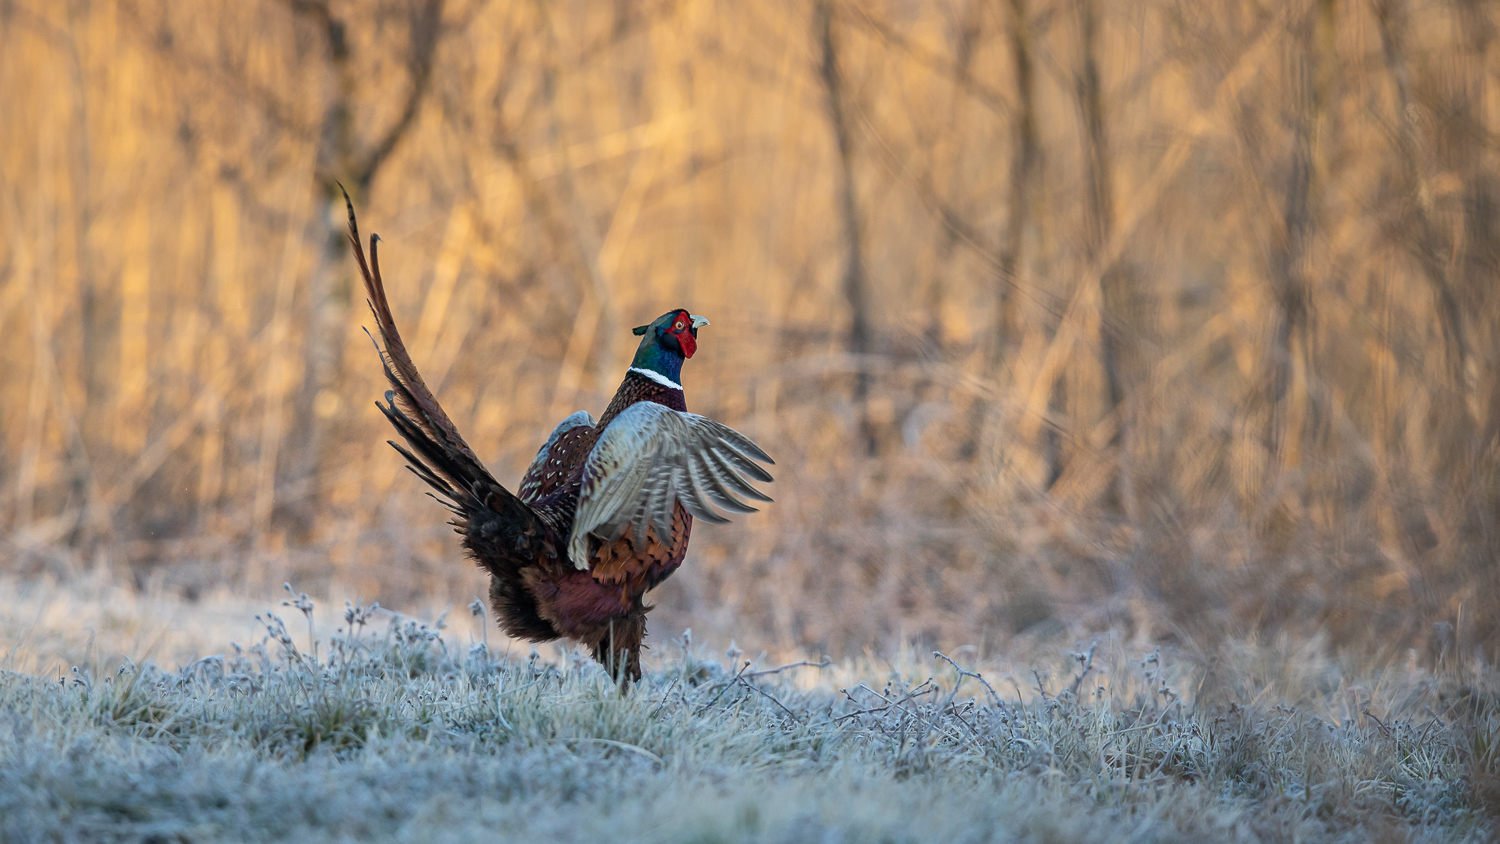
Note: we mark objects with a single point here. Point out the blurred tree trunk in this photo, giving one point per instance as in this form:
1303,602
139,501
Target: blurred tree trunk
1020,216
1421,234
343,157
1290,332
1424,239
854,282
1025,173
1113,283
968,34
1469,153
580,237
1474,158
98,362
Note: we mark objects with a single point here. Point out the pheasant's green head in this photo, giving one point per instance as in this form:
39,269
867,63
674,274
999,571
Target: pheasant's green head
667,341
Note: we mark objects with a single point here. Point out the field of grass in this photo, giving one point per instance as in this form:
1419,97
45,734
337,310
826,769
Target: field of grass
403,731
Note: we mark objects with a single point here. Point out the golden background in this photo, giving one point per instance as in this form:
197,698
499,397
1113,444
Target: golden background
1174,317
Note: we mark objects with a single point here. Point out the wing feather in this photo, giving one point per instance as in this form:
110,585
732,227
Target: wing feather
696,500
534,482
659,504
731,476
651,458
713,484
740,442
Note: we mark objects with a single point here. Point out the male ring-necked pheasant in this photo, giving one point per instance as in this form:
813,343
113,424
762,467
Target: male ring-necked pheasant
605,510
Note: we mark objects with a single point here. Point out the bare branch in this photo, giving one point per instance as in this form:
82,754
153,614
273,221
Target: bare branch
425,32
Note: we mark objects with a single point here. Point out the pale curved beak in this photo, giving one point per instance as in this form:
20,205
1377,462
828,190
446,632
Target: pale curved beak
698,321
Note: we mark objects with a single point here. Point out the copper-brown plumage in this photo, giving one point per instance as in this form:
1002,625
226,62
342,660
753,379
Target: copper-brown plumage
604,512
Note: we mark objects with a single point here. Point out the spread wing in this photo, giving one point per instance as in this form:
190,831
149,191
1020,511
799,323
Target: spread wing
651,458
541,478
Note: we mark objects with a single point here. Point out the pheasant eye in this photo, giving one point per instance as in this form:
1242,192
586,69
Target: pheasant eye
678,326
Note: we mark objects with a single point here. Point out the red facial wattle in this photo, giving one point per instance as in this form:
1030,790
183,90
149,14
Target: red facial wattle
686,339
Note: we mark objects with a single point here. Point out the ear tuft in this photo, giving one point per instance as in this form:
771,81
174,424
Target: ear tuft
639,330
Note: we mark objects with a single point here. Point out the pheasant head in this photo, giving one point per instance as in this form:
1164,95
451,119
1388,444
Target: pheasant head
667,342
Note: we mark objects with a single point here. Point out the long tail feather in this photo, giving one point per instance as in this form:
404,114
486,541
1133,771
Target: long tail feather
414,399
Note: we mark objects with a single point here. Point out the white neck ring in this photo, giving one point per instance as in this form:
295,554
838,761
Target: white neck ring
657,377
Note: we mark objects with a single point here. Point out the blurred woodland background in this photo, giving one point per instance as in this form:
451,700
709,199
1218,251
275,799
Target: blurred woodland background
1169,316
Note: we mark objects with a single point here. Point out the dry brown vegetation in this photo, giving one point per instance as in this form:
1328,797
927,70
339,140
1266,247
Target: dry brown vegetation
1172,317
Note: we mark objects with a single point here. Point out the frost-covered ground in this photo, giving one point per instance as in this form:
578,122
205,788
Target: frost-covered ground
396,731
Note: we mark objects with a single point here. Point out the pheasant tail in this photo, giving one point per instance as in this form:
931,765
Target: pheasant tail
434,449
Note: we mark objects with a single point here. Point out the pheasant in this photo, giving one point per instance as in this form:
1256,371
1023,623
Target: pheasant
605,510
